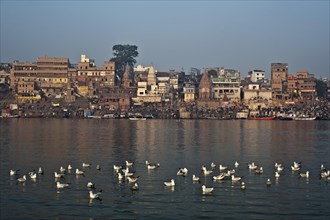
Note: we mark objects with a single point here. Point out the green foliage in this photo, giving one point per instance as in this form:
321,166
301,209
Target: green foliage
124,54
321,88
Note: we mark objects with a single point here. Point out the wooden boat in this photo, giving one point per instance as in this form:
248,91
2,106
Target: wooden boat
304,118
137,118
266,118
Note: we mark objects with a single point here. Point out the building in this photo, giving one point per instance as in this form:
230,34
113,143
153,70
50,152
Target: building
226,84
127,81
256,75
257,97
306,85
204,89
279,75
189,92
95,77
152,80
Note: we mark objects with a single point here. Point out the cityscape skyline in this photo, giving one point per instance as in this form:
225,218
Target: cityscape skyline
172,35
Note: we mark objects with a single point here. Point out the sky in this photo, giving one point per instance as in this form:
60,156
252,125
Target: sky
241,35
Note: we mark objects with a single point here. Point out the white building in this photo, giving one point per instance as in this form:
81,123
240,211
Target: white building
257,75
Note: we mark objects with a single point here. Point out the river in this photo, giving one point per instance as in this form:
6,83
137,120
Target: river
27,144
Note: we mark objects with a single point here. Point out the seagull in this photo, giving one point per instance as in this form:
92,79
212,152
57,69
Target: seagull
171,184
279,168
293,168
120,176
13,172
94,195
33,176
268,182
323,167
236,164
129,164
90,185
22,180
304,175
127,173
58,175
278,165
62,169
117,168
79,172
325,174
86,165
40,171
235,179
98,167
153,166
277,175
259,171
213,165
296,164
61,185
221,167
182,172
135,186
132,179
205,171
243,186
252,166
207,190
219,177
69,167
195,178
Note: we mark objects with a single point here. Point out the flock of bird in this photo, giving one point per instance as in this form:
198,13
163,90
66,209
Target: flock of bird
124,172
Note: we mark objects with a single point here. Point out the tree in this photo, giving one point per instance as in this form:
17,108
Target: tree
124,54
321,88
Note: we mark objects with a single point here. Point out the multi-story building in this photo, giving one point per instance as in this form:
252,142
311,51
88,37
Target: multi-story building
188,92
257,97
306,85
226,84
256,75
279,72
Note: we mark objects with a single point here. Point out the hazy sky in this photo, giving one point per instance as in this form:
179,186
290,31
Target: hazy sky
242,35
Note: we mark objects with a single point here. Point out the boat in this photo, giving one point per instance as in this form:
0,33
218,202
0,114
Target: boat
136,118
304,118
266,118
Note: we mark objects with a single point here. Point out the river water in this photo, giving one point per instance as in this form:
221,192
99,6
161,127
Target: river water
28,144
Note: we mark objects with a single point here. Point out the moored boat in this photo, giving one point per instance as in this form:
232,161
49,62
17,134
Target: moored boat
263,118
304,118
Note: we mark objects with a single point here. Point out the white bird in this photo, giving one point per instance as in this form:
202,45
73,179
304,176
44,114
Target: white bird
22,179
252,166
127,173
236,164
129,164
304,175
325,174
293,168
235,179
98,167
213,165
207,190
13,172
33,176
86,165
278,165
153,166
279,168
62,169
147,162
79,172
132,179
221,167
171,183
268,182
94,195
90,185
259,170
195,178
61,185
69,167
182,172
219,177
323,167
135,186
40,171
58,175
296,164
117,168
243,186
120,176
205,171
277,175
